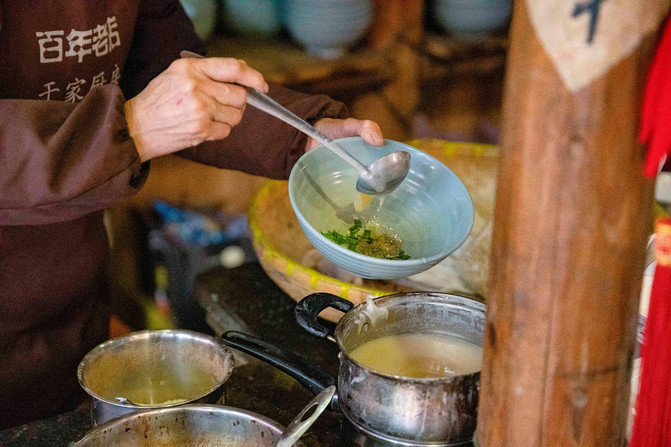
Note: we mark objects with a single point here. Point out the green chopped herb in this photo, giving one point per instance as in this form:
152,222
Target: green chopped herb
379,246
355,228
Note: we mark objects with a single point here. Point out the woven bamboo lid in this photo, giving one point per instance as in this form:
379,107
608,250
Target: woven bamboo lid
298,269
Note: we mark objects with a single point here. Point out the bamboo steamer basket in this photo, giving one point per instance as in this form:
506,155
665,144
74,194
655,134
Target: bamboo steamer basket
282,248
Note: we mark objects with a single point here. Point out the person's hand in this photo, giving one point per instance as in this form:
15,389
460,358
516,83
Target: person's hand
192,101
350,127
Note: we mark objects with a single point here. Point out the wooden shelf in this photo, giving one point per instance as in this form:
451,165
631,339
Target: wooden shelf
447,57
284,63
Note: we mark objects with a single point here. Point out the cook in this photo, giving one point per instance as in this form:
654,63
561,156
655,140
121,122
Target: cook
90,92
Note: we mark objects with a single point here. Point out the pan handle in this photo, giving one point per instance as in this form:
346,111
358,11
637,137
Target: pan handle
311,376
308,308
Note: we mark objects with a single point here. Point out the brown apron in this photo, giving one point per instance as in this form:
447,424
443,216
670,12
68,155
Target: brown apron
46,327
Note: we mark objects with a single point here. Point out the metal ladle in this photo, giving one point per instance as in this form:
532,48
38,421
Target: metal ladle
300,424
380,177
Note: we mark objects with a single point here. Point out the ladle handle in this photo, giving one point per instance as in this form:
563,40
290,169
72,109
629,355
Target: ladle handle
301,424
311,376
267,104
307,310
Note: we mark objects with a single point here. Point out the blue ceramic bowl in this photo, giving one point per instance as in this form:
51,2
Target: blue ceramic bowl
327,28
471,19
203,15
431,211
258,17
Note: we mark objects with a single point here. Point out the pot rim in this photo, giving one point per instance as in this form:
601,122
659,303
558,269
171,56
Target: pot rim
420,380
181,408
369,432
146,334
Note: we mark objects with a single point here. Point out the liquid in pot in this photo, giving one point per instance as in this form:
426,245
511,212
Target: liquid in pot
156,379
419,355
164,387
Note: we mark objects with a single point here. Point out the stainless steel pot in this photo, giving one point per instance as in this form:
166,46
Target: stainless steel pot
187,426
393,410
157,369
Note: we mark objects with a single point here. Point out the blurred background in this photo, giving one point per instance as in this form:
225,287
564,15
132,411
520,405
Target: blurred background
430,69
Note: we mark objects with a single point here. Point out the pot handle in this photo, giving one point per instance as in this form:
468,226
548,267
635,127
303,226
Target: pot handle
308,308
311,376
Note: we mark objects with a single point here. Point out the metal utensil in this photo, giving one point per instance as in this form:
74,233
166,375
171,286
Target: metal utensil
387,409
186,426
380,177
124,401
130,373
300,424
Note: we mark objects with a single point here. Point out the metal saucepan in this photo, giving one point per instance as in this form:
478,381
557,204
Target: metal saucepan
187,426
154,369
205,425
393,410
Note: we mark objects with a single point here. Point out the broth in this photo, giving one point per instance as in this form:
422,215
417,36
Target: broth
419,355
361,201
159,384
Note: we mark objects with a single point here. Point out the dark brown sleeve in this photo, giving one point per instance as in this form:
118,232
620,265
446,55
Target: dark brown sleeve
59,161
262,144
161,32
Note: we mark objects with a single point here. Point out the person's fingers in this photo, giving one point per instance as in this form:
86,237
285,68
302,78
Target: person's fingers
350,127
218,131
226,94
194,100
211,120
230,70
228,115
213,102
371,133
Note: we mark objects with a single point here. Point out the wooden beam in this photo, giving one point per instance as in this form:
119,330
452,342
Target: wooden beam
572,216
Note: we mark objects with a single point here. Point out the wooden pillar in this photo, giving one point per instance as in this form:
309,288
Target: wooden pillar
572,217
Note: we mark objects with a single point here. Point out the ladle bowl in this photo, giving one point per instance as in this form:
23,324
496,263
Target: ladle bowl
385,174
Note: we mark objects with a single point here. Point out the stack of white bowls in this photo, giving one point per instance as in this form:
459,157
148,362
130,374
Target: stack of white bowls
256,17
327,28
471,19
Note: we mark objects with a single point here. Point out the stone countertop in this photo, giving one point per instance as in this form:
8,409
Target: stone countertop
57,431
242,299
246,300
251,302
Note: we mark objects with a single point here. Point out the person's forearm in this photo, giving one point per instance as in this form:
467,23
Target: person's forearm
59,161
192,101
263,145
